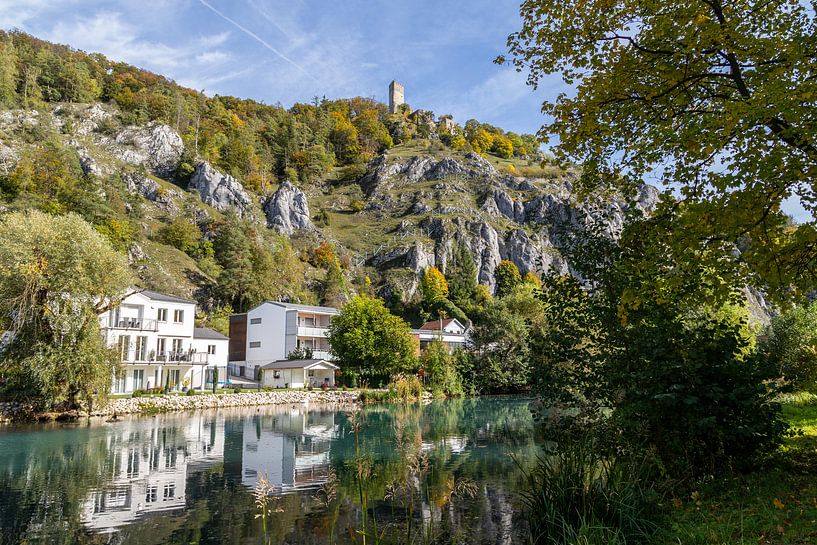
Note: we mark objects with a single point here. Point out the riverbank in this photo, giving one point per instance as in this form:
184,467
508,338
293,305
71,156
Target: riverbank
161,404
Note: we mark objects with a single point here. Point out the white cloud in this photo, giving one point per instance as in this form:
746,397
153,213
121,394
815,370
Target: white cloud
212,57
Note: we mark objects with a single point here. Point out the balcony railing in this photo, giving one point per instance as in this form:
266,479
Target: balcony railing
322,355
315,331
193,358
134,324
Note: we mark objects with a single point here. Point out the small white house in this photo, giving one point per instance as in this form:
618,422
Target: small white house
298,374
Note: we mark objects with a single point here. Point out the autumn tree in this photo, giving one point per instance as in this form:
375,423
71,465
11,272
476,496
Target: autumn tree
720,95
507,277
433,285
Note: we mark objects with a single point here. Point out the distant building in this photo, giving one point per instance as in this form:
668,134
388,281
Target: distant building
272,330
160,346
396,96
450,332
446,124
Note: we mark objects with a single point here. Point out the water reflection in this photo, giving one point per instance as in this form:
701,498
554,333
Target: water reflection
183,478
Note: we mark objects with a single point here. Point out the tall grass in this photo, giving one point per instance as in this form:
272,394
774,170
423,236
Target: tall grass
575,496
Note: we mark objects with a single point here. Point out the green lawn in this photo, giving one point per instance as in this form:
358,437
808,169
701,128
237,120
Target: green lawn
776,505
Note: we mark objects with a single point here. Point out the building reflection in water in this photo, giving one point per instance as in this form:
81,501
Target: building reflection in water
150,460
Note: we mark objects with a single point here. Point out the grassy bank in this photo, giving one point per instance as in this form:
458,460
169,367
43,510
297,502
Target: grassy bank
777,505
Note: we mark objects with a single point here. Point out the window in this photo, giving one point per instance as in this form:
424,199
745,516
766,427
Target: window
309,321
211,349
178,316
255,321
119,383
311,373
177,346
276,374
151,494
162,315
174,376
161,347
255,344
141,348
169,491
138,379
124,346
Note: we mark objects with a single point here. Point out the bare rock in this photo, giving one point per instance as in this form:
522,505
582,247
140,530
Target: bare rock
287,210
221,191
155,146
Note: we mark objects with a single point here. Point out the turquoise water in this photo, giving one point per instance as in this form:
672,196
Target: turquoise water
442,472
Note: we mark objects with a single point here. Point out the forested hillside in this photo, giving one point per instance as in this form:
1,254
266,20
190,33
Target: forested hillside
233,201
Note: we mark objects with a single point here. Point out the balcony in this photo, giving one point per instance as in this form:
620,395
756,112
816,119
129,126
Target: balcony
162,358
322,355
312,331
134,324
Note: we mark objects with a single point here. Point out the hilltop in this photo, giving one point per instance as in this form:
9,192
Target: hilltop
232,201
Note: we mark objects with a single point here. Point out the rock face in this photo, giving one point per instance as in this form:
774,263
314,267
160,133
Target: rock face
221,191
382,173
287,210
495,215
8,159
155,146
152,191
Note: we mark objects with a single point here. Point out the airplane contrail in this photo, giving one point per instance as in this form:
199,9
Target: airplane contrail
257,38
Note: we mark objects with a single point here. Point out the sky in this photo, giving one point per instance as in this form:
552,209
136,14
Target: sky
286,51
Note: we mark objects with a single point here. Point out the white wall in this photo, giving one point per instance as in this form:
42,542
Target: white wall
271,333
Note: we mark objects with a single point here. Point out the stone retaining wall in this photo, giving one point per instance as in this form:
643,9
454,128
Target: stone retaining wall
9,411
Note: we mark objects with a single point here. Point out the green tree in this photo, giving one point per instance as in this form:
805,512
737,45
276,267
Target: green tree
440,370
182,234
233,253
462,277
56,276
370,340
790,345
721,95
501,338
507,278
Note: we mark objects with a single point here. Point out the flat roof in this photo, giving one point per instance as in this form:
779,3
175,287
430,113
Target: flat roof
207,333
308,308
298,364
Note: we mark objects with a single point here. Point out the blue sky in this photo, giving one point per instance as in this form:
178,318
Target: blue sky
291,50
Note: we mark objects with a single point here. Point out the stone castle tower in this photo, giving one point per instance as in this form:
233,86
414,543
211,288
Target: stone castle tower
396,97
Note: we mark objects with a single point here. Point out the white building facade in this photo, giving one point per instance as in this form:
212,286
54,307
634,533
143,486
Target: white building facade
272,330
159,344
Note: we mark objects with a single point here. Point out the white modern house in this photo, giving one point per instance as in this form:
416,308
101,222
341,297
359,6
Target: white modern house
160,346
450,332
272,330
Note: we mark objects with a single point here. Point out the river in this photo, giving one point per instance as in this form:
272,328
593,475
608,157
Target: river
443,472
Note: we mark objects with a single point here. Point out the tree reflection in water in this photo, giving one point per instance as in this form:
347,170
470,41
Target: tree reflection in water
440,472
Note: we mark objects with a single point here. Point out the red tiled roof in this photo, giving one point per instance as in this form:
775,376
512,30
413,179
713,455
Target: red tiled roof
434,325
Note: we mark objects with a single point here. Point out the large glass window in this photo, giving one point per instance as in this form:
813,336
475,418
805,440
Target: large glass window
124,347
178,316
138,379
141,348
162,314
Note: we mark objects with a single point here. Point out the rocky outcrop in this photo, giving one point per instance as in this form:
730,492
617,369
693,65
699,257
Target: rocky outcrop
383,172
8,159
90,119
151,190
221,191
157,147
287,210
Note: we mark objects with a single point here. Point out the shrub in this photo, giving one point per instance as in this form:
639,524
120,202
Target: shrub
357,205
575,495
790,346
190,393
138,393
406,387
236,390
